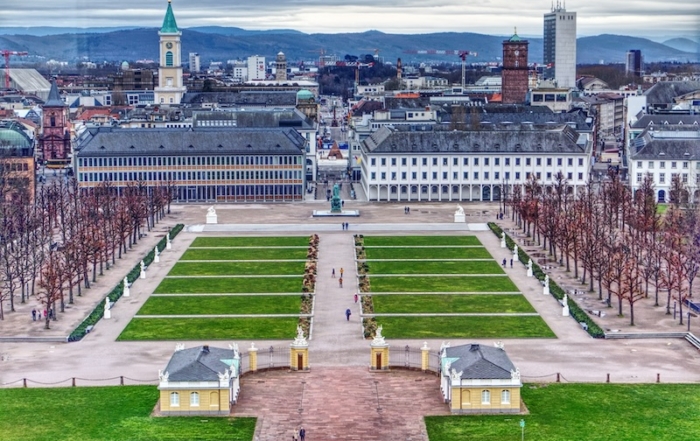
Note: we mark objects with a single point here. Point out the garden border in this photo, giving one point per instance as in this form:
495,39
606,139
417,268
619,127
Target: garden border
576,312
82,329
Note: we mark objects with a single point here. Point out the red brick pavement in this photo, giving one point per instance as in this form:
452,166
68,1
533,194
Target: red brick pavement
347,403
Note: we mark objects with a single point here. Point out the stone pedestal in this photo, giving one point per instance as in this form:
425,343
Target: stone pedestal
529,272
503,242
211,216
565,311
252,358
143,274
168,244
460,218
156,256
424,357
108,313
545,290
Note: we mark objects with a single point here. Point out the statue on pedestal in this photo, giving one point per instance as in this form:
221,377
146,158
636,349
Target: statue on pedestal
336,203
126,292
108,313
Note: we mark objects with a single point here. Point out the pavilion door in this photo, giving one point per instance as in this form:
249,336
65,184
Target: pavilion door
379,360
300,362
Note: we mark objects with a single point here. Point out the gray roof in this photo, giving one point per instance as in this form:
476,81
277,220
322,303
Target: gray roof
480,362
490,138
54,99
243,98
30,81
201,363
275,117
114,141
577,120
664,92
663,119
676,143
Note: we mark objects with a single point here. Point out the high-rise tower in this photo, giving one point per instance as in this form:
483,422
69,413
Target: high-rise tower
54,142
281,67
560,46
170,88
635,63
514,76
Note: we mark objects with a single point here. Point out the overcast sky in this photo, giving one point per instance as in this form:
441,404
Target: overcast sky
629,17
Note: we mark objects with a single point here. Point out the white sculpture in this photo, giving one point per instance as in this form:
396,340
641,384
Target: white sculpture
126,292
503,240
545,289
168,245
163,376
252,346
300,340
499,345
378,337
515,252
455,376
565,308
143,270
459,214
225,376
211,216
179,347
529,267
108,313
156,255
515,374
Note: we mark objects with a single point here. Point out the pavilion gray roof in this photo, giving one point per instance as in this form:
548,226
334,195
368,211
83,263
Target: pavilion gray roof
490,138
665,119
114,141
664,92
679,143
243,98
201,363
477,361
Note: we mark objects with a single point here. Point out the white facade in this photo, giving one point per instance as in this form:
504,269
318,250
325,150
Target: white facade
195,62
560,46
256,68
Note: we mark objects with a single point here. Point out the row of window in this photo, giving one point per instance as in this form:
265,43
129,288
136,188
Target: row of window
662,164
175,399
465,176
475,161
189,160
191,176
486,397
662,178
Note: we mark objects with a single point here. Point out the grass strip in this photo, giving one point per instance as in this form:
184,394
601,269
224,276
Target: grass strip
236,268
105,413
251,241
262,328
441,284
244,254
427,253
464,327
585,412
435,303
420,240
221,305
231,285
427,267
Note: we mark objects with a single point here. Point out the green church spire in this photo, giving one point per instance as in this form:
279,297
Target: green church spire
169,24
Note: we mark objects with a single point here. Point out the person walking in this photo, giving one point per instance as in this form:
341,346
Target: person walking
504,262
333,273
341,272
356,297
340,282
302,434
33,315
347,314
511,263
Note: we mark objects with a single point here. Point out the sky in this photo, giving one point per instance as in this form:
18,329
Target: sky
653,19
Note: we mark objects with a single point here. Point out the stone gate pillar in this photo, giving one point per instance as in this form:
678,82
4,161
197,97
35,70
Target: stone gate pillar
379,352
299,352
424,356
252,358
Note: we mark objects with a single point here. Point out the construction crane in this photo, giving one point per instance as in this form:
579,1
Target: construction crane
5,53
460,53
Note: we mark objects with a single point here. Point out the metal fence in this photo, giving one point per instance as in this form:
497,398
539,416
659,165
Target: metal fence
411,358
268,358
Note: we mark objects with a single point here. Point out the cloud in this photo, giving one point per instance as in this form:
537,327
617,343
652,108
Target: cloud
632,17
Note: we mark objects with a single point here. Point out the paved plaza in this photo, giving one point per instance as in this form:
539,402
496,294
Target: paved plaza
337,399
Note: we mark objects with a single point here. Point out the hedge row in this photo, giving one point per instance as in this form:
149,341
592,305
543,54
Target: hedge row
114,295
574,310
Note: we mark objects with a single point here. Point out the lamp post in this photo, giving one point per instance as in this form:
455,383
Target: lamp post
522,430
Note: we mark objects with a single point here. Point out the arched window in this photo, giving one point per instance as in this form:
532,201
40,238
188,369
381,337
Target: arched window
53,120
169,58
194,399
485,397
505,397
174,399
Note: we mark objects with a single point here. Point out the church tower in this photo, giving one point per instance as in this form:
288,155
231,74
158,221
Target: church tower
54,142
514,76
170,88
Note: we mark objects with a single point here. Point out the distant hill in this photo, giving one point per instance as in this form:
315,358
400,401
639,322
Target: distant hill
215,43
683,44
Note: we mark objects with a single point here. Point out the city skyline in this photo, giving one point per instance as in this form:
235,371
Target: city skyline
651,19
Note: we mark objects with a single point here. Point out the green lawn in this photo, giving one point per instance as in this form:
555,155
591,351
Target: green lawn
464,327
237,268
105,413
244,254
586,412
426,253
420,240
442,284
233,285
177,305
437,303
263,328
432,267
246,241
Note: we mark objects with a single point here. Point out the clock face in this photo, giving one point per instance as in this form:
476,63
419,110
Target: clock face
517,53
169,45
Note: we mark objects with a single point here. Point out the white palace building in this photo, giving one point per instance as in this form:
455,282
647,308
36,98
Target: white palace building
438,164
